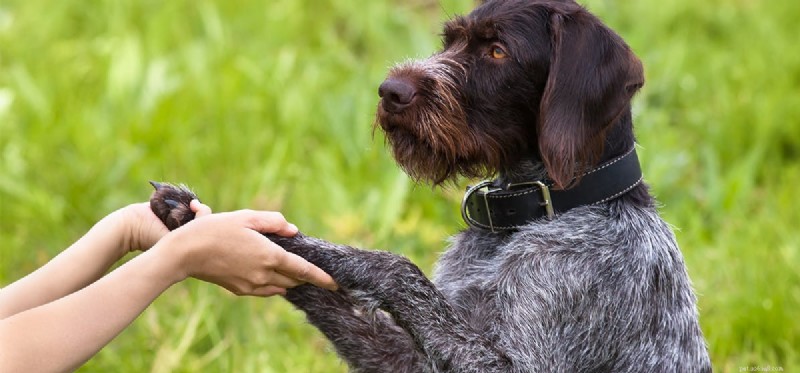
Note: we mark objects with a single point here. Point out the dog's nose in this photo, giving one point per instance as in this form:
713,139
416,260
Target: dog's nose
397,94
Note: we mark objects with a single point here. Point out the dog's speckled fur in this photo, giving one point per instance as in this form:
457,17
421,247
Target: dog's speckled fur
599,288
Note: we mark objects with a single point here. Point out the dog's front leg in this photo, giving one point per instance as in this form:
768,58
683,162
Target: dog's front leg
381,280
367,338
368,342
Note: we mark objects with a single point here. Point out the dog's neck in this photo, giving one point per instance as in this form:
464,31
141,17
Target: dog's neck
499,207
527,169
619,140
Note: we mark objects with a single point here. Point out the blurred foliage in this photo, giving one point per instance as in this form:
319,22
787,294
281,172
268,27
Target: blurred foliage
269,105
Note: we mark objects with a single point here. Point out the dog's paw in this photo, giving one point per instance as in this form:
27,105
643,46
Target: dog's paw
374,279
171,204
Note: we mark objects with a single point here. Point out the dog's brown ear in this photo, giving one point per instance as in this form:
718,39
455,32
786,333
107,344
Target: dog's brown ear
593,75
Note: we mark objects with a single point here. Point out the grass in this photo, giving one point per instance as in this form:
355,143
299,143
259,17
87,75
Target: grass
269,105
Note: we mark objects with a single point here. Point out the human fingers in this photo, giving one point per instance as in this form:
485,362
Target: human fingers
245,288
268,291
293,265
269,222
280,280
200,209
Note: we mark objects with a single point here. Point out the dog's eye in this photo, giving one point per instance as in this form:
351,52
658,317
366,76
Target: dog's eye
498,52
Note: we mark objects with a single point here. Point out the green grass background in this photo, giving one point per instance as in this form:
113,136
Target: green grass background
269,105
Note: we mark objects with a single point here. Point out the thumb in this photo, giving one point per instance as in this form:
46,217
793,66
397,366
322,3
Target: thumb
199,208
269,222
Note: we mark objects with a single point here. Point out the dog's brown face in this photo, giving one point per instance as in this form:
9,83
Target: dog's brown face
515,79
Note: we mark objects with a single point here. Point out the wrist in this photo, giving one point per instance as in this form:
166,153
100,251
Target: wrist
171,258
115,230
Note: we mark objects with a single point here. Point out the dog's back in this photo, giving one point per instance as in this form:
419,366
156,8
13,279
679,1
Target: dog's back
602,288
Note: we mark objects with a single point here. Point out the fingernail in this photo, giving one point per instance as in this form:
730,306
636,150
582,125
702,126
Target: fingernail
293,228
195,205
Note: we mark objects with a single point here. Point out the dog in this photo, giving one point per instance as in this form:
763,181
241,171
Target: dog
565,265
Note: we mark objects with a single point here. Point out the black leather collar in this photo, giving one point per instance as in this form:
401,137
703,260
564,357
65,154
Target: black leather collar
488,205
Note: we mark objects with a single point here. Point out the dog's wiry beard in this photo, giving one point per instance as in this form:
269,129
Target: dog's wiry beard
433,141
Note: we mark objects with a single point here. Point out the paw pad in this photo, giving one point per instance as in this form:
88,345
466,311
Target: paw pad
171,204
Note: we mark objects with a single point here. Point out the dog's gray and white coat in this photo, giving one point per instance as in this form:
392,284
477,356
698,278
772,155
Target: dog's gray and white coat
599,289
524,90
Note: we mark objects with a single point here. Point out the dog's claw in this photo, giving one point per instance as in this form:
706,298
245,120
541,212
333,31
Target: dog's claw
172,203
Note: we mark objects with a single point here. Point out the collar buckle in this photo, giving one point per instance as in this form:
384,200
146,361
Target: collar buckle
547,202
470,191
493,206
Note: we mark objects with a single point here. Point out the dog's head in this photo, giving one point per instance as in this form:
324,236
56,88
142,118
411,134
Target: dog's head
515,79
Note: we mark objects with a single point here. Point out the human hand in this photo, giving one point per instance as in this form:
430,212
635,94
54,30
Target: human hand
141,228
227,249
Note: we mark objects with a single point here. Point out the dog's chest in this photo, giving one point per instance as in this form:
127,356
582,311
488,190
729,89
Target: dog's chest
467,274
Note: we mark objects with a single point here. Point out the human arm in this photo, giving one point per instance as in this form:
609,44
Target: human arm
61,335
129,228
225,249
